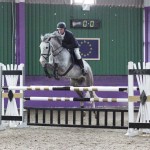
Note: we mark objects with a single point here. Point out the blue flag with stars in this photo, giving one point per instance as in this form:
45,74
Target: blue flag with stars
89,48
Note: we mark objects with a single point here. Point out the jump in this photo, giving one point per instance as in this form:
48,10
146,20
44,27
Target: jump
59,60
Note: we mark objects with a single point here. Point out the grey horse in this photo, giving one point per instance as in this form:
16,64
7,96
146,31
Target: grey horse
54,53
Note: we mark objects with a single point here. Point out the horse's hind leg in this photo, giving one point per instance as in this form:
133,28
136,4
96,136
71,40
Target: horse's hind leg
90,82
75,83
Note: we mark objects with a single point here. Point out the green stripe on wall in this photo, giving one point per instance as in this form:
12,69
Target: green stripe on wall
6,33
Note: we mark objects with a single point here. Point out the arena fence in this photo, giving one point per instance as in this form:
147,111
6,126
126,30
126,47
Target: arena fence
74,117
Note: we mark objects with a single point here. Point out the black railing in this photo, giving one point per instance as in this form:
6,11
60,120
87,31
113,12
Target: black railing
75,117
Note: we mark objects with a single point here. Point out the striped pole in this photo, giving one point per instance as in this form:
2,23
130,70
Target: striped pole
77,99
70,88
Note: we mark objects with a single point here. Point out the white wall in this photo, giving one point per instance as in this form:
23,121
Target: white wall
146,3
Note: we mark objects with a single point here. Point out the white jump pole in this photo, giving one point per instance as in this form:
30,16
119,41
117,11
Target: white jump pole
21,67
143,116
71,88
1,104
12,74
130,93
77,99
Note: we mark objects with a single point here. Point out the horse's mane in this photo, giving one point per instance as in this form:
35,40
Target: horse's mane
48,36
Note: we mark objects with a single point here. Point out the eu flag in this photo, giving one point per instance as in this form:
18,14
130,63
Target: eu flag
89,48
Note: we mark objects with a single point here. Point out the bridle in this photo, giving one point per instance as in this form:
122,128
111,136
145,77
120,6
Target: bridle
46,56
54,52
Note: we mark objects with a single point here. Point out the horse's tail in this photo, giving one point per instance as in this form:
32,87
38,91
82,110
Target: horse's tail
90,79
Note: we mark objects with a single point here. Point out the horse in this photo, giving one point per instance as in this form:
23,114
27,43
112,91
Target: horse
52,51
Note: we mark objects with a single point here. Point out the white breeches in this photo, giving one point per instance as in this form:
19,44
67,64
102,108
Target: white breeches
77,53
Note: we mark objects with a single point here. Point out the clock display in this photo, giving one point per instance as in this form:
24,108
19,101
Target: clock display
84,23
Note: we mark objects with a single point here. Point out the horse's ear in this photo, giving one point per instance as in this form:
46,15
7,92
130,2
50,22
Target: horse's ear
42,37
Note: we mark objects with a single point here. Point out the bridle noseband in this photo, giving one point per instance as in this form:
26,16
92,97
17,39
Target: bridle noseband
46,56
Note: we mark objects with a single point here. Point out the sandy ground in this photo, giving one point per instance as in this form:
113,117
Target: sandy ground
64,138
57,138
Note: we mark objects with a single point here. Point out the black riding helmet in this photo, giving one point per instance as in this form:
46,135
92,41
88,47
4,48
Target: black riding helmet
61,25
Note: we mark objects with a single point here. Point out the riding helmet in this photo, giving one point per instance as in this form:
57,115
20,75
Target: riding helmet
61,25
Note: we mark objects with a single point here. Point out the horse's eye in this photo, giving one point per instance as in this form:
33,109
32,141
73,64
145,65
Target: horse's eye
46,47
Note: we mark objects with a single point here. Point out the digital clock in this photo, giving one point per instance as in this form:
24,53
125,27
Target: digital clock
85,23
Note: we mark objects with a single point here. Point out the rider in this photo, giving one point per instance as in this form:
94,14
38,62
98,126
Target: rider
69,42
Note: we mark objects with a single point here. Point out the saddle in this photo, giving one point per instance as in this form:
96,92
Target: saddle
73,57
74,61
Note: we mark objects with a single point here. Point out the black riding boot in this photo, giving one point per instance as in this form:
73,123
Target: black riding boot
56,72
80,61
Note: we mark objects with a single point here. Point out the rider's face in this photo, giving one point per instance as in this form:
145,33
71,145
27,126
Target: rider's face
61,31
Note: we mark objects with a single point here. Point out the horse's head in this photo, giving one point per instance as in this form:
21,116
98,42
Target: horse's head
45,47
49,44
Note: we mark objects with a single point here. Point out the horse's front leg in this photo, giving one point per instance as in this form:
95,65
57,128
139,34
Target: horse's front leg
47,69
56,76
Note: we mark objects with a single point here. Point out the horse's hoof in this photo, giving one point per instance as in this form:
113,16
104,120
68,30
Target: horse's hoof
84,114
95,116
57,78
